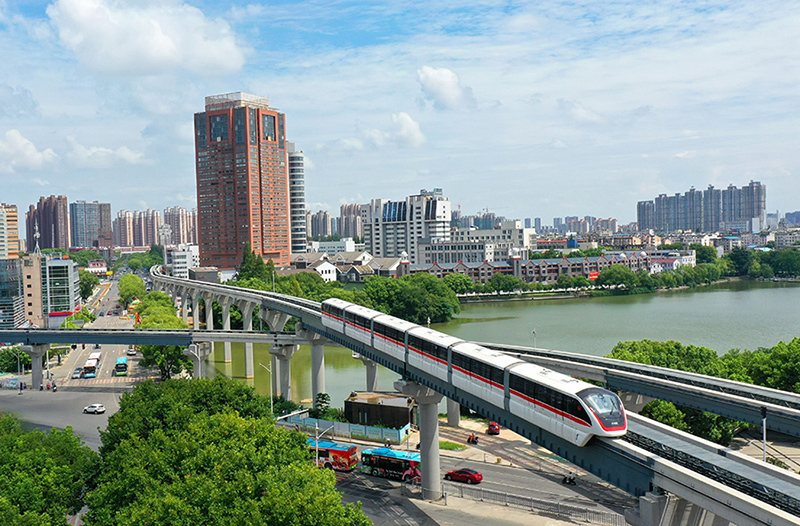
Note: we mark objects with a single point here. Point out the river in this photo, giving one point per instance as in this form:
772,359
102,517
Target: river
724,316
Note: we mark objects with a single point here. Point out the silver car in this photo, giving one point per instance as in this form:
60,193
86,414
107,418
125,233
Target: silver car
95,409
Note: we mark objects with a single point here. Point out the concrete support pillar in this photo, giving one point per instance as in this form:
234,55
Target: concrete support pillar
317,368
428,401
275,367
226,325
372,373
196,312
36,352
185,306
284,354
247,319
198,352
209,301
453,413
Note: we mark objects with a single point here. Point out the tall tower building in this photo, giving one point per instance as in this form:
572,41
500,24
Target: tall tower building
123,229
321,223
242,180
180,222
51,214
9,222
90,224
350,221
297,199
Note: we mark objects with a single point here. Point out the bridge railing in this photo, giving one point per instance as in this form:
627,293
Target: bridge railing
549,507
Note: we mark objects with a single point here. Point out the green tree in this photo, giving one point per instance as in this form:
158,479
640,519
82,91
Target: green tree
617,275
169,359
131,287
504,283
87,283
206,452
704,254
44,476
741,259
252,266
459,283
564,281
666,413
9,363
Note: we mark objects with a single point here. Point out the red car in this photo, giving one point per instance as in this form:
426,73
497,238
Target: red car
494,429
470,476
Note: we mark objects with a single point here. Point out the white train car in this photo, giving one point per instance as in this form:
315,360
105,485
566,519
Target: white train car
427,350
333,313
358,322
564,406
390,335
479,371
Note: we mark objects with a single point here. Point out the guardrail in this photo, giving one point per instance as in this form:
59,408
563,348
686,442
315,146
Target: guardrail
537,505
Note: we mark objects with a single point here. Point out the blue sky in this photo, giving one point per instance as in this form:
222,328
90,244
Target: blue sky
529,109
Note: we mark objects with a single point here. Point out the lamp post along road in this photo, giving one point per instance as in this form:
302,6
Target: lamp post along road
270,387
318,436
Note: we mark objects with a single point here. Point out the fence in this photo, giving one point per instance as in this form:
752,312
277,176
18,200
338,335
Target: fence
542,506
347,430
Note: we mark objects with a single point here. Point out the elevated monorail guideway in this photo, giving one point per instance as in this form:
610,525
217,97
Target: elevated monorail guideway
628,466
737,400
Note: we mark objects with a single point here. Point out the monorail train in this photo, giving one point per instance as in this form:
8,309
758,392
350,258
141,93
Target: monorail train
567,407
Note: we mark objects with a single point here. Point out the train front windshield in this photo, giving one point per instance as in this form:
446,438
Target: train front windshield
605,405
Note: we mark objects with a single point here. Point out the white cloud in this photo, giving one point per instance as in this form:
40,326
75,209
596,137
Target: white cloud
443,87
407,132
145,39
17,102
578,111
96,157
18,153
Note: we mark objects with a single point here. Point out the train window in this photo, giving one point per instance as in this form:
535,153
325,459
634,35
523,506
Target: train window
575,409
459,360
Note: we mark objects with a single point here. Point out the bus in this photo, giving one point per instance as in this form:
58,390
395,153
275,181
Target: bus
90,368
121,368
330,455
390,463
95,356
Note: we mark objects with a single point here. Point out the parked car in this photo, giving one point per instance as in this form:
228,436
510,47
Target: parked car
493,429
94,409
77,372
470,476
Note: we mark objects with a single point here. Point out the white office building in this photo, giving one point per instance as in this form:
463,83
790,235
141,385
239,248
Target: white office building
181,258
394,227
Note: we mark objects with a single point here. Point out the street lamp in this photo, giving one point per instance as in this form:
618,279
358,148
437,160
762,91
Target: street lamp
270,387
318,436
534,338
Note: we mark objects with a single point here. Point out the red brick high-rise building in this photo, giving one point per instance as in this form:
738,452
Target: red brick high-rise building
242,180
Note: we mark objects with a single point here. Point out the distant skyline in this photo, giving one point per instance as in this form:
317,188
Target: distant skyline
528,109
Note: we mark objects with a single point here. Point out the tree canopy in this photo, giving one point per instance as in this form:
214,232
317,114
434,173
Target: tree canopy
777,367
206,452
156,311
131,287
87,284
44,476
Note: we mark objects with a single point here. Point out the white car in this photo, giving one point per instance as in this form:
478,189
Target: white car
95,409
